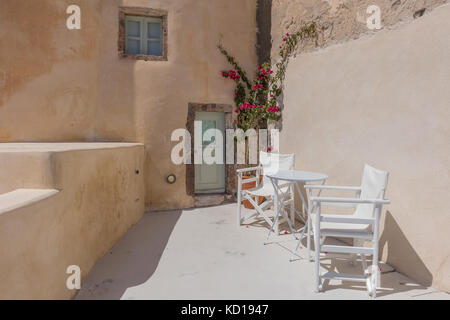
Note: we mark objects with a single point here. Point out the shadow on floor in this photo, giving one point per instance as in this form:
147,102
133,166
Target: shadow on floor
401,253
133,260
259,222
391,280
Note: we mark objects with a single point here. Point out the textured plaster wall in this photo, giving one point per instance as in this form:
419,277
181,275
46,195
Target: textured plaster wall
62,85
342,20
383,100
101,197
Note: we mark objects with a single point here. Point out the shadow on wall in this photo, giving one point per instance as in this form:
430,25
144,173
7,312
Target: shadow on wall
264,37
133,260
394,241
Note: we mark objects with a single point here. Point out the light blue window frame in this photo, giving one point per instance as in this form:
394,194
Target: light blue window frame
149,40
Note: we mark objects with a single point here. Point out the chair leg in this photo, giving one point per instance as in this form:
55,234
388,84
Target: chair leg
292,207
277,222
317,250
239,200
258,208
375,273
308,239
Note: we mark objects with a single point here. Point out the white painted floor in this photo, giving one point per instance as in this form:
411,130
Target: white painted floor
202,254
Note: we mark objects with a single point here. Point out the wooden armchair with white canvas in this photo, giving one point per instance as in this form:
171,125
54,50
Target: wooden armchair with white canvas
269,163
362,226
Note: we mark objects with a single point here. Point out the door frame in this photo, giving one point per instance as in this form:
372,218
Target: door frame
230,169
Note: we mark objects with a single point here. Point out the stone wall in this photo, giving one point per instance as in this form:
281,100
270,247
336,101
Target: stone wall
342,20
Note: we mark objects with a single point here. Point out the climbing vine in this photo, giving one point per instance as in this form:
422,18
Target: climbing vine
257,101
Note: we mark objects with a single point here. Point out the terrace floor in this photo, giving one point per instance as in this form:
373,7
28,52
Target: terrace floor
201,254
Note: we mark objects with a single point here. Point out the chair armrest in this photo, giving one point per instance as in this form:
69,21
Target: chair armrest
332,187
350,200
240,171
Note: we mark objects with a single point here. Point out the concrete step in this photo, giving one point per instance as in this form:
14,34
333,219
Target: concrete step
23,197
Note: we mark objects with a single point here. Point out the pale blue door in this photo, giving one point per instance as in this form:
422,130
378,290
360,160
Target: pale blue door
210,178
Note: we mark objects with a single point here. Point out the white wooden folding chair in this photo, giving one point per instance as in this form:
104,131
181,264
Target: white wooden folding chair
362,226
269,163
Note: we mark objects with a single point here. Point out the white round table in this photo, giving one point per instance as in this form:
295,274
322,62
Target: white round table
294,177
298,176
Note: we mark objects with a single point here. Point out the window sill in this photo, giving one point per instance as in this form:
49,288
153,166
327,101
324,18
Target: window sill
142,57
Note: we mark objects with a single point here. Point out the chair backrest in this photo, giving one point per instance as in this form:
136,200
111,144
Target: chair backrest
373,186
274,162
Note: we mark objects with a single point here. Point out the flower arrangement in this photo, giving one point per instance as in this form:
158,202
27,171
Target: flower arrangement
257,101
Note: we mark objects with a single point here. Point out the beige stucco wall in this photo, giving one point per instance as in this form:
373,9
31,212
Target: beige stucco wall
101,197
62,85
48,74
153,101
384,100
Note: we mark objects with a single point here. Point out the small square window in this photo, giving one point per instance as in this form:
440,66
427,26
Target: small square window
143,33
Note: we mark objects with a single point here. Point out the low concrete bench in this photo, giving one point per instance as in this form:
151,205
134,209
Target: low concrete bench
63,204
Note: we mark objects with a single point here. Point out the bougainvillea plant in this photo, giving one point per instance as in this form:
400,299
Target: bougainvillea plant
257,100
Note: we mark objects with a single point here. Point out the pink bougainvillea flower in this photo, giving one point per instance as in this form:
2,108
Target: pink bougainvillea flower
259,68
284,39
236,111
287,34
232,74
270,149
273,109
